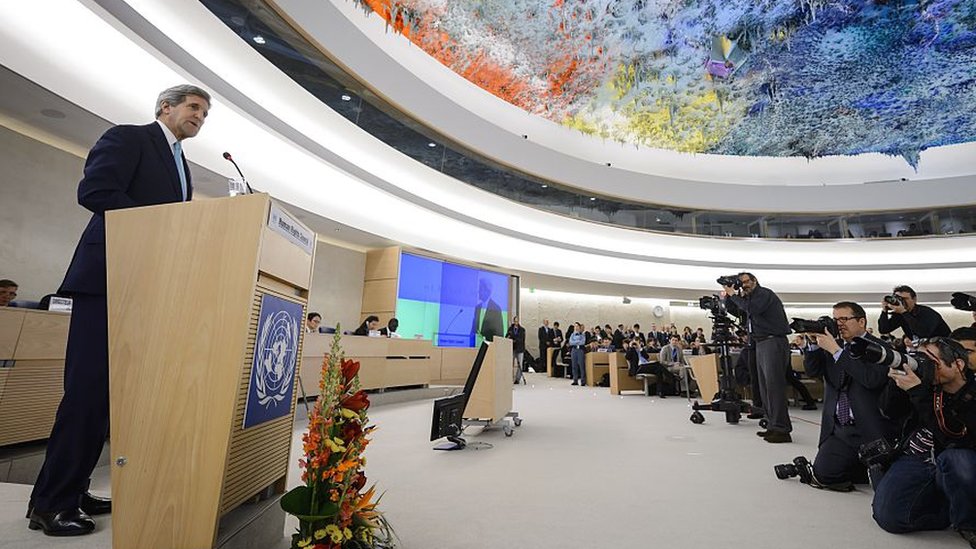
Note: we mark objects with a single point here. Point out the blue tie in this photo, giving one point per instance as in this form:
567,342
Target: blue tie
178,155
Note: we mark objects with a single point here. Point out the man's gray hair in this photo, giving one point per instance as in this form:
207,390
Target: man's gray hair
177,94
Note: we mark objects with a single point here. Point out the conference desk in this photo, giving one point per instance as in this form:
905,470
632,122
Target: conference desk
383,362
32,349
597,364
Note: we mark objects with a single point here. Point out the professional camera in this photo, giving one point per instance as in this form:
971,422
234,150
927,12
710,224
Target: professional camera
729,280
877,353
712,303
894,300
801,467
802,326
877,454
963,302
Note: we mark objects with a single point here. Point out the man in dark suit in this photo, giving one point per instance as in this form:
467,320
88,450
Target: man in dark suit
545,340
129,166
488,312
852,389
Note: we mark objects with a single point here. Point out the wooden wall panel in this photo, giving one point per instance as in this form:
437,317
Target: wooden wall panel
11,322
43,337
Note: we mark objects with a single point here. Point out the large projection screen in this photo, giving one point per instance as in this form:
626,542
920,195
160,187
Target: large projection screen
450,304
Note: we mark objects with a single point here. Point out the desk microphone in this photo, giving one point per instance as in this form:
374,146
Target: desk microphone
230,159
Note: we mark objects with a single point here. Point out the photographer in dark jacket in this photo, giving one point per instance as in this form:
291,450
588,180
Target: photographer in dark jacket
900,310
851,392
767,326
932,484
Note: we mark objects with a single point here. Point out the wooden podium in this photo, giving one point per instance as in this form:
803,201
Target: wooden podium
191,291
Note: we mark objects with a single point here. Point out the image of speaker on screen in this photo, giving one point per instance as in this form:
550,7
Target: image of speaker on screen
487,315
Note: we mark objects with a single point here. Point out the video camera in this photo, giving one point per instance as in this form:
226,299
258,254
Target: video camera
729,280
803,326
963,302
877,353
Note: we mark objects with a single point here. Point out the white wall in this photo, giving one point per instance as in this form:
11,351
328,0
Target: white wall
40,218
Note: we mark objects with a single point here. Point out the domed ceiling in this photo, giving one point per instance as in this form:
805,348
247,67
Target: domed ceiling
776,78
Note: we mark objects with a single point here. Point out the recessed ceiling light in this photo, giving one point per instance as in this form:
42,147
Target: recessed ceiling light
346,97
53,113
432,144
545,186
592,198
258,39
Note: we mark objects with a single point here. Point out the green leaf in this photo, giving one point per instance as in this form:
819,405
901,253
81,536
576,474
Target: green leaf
298,502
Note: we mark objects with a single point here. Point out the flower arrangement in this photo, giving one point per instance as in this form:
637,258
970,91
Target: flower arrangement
333,510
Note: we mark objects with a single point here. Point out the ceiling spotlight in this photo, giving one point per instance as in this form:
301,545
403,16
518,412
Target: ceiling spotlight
258,39
346,97
432,144
592,198
545,186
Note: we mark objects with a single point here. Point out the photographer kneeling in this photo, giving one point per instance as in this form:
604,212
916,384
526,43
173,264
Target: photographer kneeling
932,483
852,389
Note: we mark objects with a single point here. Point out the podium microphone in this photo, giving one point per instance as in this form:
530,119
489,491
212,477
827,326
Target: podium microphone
451,323
230,159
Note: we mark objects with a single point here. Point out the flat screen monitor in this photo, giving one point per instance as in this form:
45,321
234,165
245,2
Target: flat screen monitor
452,305
449,411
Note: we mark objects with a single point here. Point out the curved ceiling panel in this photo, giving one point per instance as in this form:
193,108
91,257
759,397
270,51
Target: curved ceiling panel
779,78
306,154
410,78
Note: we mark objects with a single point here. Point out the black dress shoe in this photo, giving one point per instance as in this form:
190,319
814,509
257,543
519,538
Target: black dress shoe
777,437
70,522
810,406
94,505
756,415
762,434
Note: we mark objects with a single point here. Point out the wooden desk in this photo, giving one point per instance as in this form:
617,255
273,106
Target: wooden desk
619,379
384,362
597,364
32,348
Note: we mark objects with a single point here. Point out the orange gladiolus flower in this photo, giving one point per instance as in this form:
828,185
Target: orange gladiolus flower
356,402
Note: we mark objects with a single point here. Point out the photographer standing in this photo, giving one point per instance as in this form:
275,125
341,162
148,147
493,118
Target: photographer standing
932,484
901,310
767,326
852,389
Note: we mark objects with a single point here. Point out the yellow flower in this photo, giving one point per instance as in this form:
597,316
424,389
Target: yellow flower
304,542
347,533
336,537
332,530
348,414
319,534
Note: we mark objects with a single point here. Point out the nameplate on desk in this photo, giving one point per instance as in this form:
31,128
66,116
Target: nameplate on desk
287,226
60,304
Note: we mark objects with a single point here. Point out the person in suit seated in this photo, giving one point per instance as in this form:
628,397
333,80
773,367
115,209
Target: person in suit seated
312,322
852,392
370,325
129,166
672,356
391,328
639,362
8,292
487,315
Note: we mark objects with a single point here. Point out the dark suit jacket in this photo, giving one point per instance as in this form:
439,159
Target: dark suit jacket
517,335
865,383
492,323
129,166
545,340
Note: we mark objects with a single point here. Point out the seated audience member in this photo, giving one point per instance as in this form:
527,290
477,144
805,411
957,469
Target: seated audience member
639,335
370,325
391,328
605,346
639,362
931,484
312,322
852,389
916,321
688,336
8,292
672,356
966,336
618,337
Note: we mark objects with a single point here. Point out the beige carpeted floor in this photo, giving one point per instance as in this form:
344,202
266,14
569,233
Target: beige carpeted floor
584,470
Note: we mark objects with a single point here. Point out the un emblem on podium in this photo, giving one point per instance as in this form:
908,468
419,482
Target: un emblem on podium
272,380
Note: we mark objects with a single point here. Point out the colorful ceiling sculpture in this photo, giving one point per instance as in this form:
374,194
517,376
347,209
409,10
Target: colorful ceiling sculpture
768,78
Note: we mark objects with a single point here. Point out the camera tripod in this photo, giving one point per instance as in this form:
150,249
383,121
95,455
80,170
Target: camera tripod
728,399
